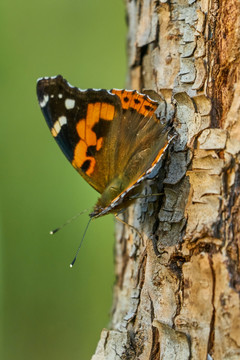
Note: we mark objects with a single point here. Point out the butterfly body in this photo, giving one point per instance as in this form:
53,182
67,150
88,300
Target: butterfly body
113,138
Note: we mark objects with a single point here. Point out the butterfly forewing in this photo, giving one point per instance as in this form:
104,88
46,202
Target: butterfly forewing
113,138
81,123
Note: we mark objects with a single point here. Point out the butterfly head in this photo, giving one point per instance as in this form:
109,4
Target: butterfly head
117,196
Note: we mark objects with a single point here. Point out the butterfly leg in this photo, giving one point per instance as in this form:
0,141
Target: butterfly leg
145,196
131,226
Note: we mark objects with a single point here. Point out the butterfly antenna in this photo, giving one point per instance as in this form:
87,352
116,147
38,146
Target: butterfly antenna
68,222
79,247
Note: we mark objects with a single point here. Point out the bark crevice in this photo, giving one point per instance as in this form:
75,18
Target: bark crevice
184,303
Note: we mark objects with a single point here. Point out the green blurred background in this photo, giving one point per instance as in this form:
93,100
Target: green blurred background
49,311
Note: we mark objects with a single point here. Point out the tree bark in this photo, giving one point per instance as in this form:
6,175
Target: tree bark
183,303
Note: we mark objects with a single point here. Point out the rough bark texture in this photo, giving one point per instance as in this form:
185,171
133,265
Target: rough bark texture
184,303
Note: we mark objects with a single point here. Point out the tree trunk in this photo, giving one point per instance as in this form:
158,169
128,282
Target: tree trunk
183,303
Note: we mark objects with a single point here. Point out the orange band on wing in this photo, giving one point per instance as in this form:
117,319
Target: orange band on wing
107,111
81,160
99,143
139,102
88,137
81,128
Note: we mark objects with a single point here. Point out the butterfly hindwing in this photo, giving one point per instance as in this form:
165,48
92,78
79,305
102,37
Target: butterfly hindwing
142,135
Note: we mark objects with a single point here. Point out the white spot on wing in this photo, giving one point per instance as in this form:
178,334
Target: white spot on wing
44,101
60,96
62,120
57,127
69,104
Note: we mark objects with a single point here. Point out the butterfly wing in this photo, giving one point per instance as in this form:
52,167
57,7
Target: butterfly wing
113,138
81,123
141,142
143,137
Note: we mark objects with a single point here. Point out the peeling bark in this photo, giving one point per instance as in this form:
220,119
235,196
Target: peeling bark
183,303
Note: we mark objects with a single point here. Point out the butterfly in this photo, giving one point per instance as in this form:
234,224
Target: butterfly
113,138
